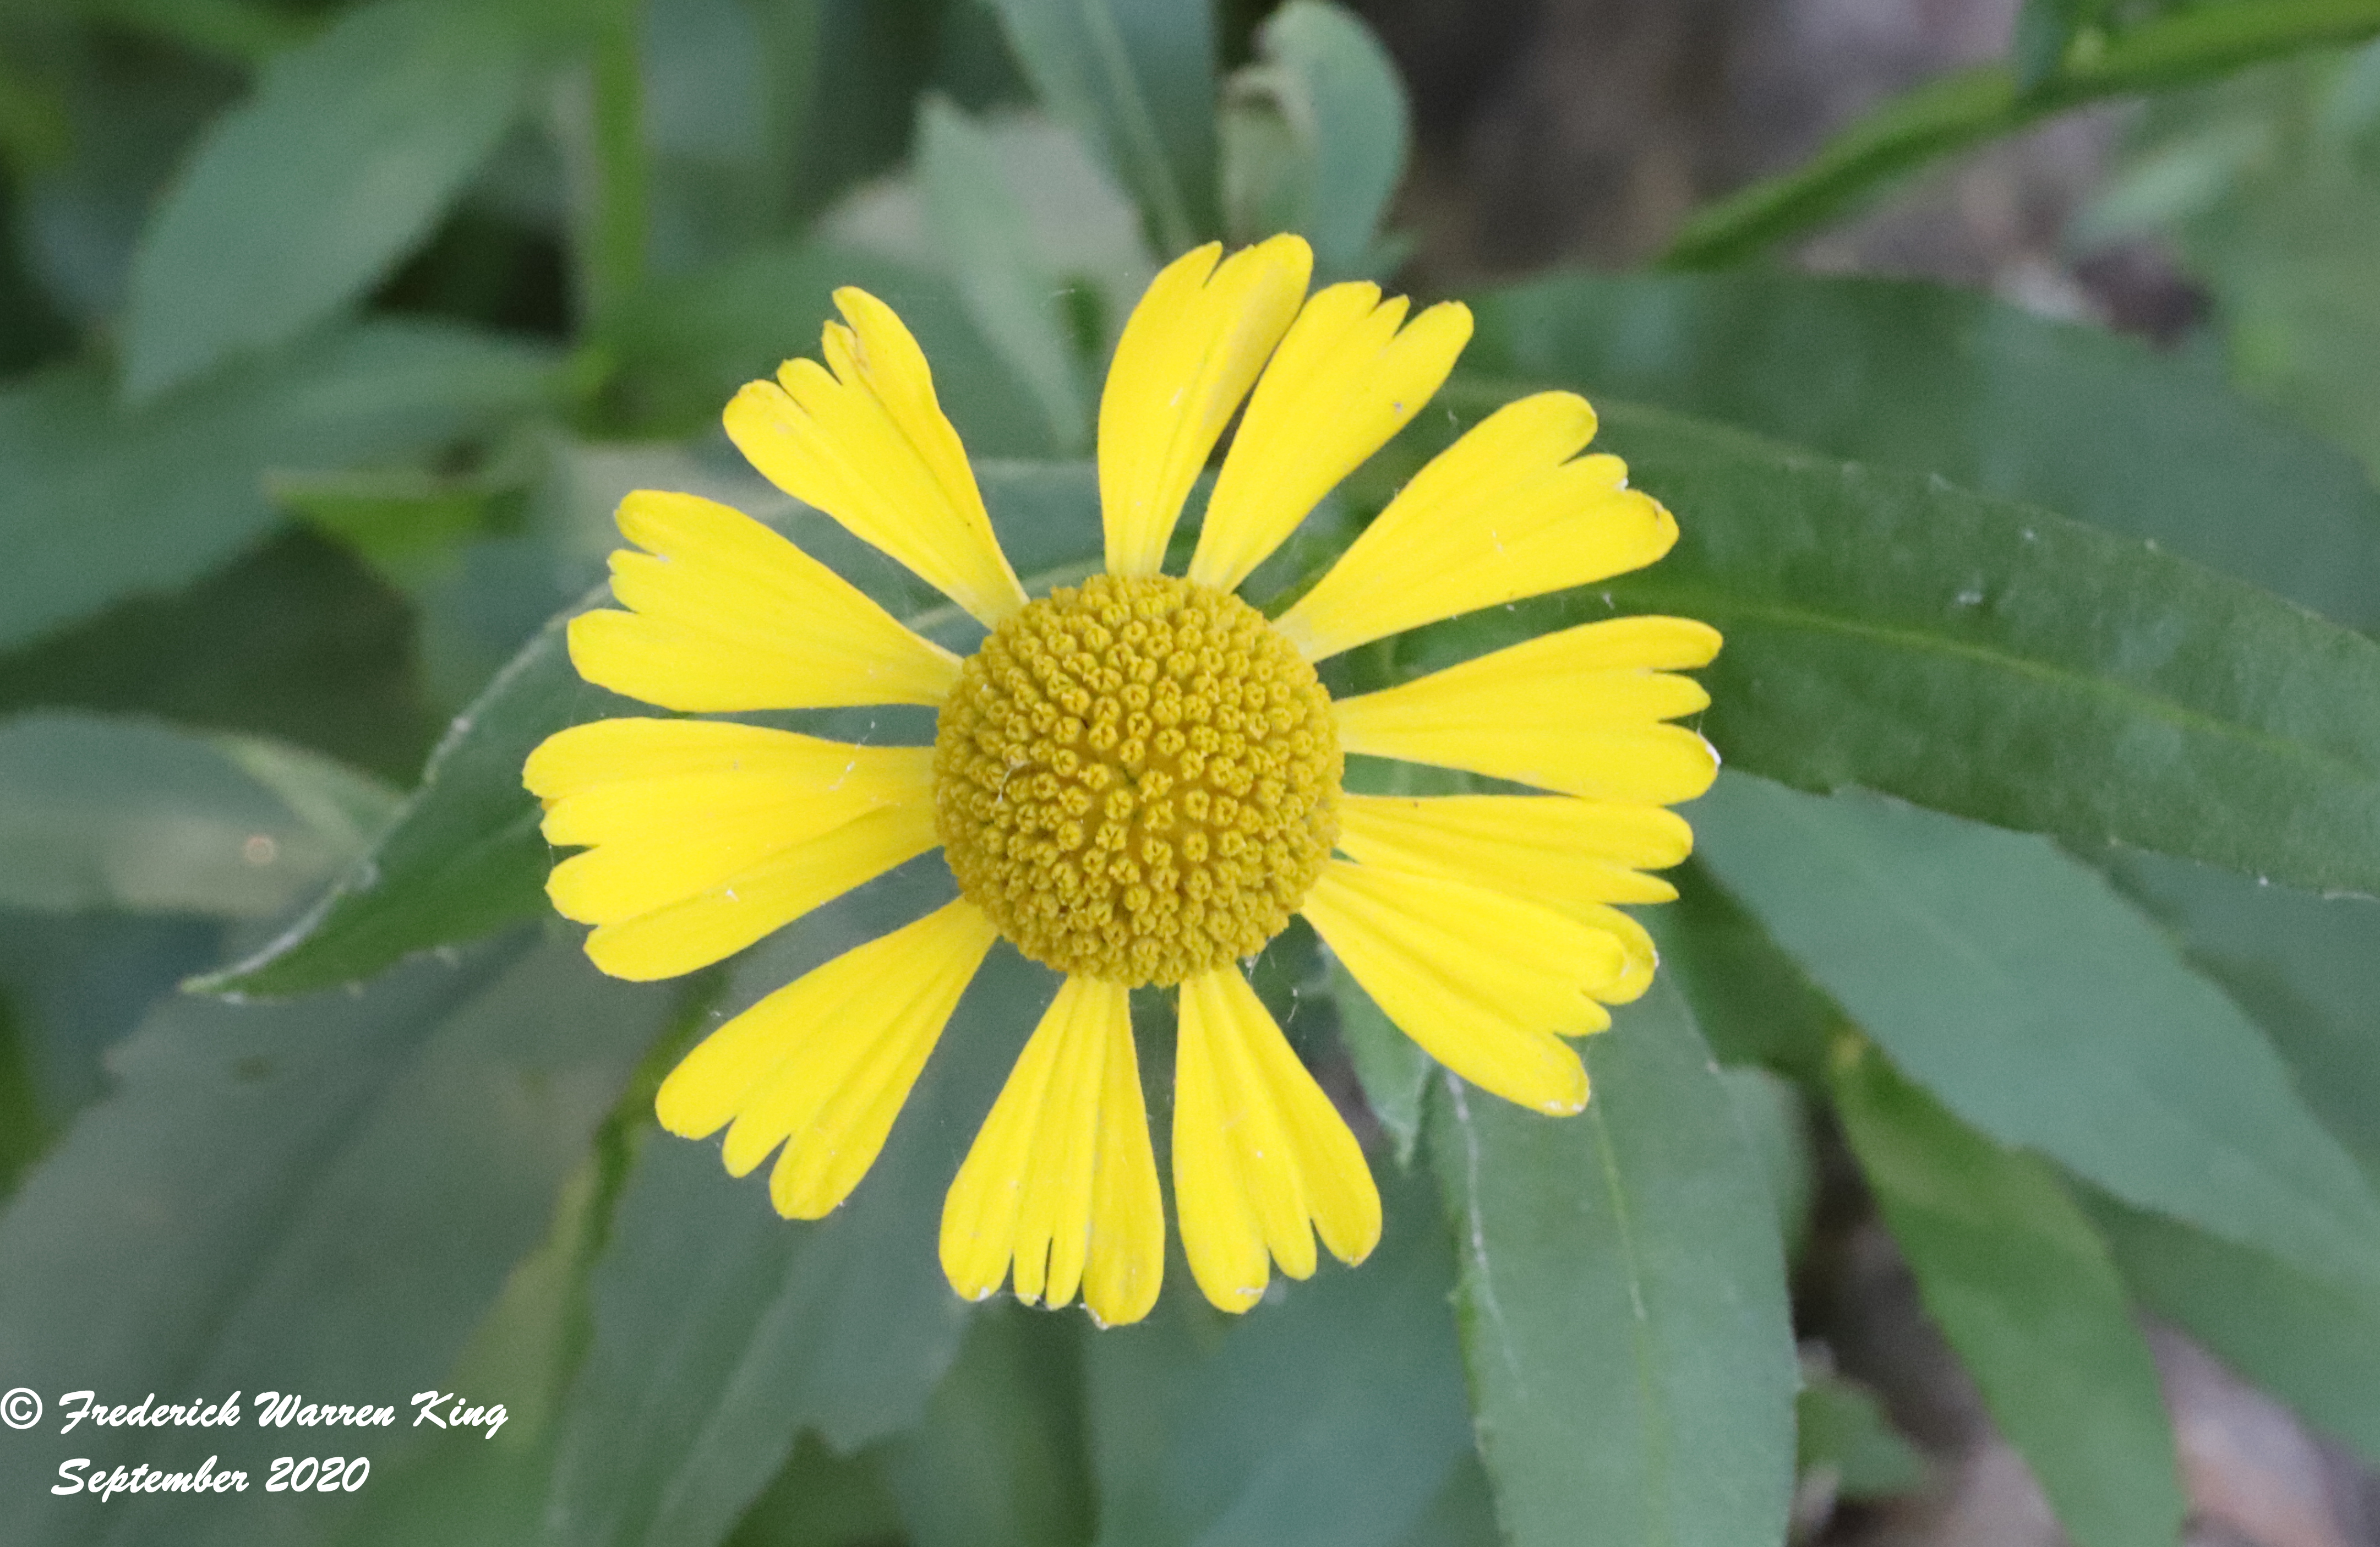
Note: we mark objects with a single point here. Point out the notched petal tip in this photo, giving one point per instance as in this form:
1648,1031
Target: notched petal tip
1187,358
1262,1162
1348,375
868,443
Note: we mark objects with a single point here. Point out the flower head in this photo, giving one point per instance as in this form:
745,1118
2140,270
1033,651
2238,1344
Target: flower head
1136,780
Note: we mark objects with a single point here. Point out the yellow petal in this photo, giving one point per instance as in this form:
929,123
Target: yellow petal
1127,1261
1486,982
1578,711
1568,854
676,809
1503,513
694,785
1062,1179
606,752
822,1065
1571,853
725,614
694,931
867,442
1261,1159
1019,1148
1221,1233
1187,358
1343,382
1639,957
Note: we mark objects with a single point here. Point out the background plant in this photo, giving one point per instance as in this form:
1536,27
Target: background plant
2039,889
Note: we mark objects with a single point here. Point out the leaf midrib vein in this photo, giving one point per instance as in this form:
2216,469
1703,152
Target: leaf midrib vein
1918,642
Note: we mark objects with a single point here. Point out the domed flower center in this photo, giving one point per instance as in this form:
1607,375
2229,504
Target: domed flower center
1137,778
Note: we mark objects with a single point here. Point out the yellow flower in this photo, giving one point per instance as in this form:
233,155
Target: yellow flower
1136,780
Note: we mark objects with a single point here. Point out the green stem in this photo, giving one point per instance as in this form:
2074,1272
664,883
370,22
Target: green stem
612,260
1971,106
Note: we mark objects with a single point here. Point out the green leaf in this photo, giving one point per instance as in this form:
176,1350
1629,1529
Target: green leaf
99,502
1135,79
71,987
1622,1300
2312,1344
867,62
2110,692
1314,136
1753,1003
466,858
463,859
2090,424
304,196
131,115
721,82
410,527
999,1460
822,1500
320,1197
1776,1124
1953,111
1464,1514
722,1332
1009,293
2019,1281
1840,1430
2011,982
488,1495
1329,1415
2301,966
103,814
319,658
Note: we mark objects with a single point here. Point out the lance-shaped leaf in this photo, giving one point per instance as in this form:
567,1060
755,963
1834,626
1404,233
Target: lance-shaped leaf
98,501
1008,290
2022,1286
1622,1299
72,986
322,1197
1000,1459
1328,1418
2302,967
1135,79
302,198
99,813
2010,980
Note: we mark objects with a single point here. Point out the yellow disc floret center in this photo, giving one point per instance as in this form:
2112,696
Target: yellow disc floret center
1137,778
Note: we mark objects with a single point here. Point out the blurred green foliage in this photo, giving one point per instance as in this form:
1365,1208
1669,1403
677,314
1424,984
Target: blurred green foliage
332,334
2268,185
